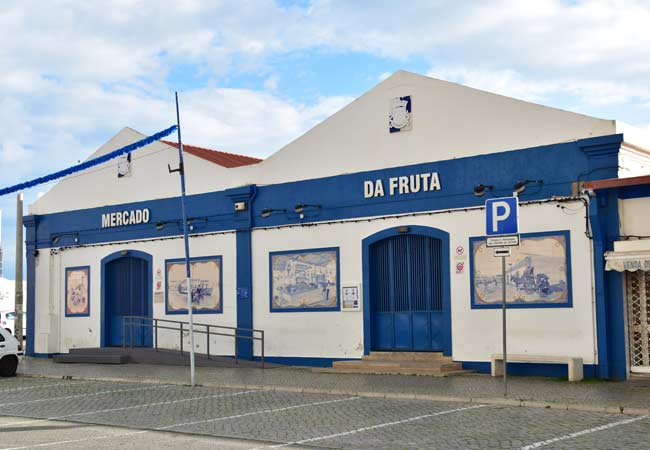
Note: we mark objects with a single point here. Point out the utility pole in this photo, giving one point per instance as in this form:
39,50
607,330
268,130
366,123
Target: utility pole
181,171
18,323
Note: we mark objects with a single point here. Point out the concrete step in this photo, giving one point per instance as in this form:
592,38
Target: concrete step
405,356
91,359
398,366
402,371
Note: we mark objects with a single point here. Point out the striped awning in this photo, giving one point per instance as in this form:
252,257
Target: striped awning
627,261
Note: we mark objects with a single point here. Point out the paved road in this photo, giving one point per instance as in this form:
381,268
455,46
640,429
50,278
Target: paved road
601,396
48,413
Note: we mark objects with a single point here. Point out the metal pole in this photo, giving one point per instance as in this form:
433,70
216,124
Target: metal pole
262,349
503,314
18,324
155,324
181,170
208,339
236,348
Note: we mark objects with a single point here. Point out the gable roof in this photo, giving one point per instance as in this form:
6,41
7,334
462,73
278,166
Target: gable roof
224,159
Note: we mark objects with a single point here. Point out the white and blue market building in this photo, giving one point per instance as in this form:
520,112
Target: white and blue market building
364,234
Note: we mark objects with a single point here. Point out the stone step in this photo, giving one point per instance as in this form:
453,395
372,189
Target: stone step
402,371
95,350
406,356
91,359
398,366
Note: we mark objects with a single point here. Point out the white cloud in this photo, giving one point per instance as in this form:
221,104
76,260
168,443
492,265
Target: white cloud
74,73
586,93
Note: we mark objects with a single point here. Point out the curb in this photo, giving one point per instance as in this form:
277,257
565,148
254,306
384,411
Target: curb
603,409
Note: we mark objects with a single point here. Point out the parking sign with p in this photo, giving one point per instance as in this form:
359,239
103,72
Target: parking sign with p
502,216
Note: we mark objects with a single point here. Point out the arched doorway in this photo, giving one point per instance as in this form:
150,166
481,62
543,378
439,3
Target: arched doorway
406,290
126,291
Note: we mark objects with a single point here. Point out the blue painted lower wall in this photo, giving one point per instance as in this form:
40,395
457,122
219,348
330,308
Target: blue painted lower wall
517,369
530,369
303,361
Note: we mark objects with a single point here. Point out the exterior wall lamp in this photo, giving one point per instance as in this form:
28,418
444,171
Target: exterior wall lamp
300,207
266,212
479,189
520,186
57,237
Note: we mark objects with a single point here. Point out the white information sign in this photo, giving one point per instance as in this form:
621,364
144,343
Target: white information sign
502,251
502,241
350,298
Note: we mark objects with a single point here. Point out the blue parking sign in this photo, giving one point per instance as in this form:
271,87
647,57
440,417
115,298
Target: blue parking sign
502,216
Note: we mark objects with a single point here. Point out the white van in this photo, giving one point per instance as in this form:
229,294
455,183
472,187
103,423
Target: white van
8,321
10,352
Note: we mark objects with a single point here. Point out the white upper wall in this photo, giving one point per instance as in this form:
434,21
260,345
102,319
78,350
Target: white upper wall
149,179
634,159
449,121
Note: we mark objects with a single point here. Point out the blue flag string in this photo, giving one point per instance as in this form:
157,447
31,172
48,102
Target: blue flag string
90,163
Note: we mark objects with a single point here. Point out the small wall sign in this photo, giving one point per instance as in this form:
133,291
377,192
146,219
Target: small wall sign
460,267
350,296
399,115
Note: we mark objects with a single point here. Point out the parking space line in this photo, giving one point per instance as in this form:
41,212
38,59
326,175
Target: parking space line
82,395
231,394
68,383
374,427
47,444
265,411
73,441
20,423
582,433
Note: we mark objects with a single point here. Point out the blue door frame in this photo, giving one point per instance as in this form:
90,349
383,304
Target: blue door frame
149,290
444,260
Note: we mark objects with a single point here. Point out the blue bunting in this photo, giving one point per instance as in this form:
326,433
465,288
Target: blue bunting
88,164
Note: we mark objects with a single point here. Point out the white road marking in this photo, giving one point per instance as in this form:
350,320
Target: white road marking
265,411
44,385
21,423
582,433
231,394
82,395
73,441
374,427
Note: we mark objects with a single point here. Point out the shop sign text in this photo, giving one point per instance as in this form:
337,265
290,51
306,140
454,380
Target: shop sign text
410,184
124,218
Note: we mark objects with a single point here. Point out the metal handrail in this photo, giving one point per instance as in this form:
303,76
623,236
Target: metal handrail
131,322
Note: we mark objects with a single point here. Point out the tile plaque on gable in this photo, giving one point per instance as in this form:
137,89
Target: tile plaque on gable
399,115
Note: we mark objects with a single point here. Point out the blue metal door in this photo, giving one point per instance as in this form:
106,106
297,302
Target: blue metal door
406,294
127,286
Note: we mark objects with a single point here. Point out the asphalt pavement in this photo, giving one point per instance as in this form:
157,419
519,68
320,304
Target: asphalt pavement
78,413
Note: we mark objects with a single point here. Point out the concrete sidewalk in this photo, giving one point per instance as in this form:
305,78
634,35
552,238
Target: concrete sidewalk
630,397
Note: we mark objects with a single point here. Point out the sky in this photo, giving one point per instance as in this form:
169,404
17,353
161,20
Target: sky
254,75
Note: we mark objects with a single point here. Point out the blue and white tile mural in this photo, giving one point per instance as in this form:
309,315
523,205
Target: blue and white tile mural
305,280
77,291
537,273
205,282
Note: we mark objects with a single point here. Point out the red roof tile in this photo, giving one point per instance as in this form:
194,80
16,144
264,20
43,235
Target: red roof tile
224,159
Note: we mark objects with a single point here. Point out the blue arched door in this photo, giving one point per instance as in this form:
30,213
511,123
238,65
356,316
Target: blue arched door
406,289
126,293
